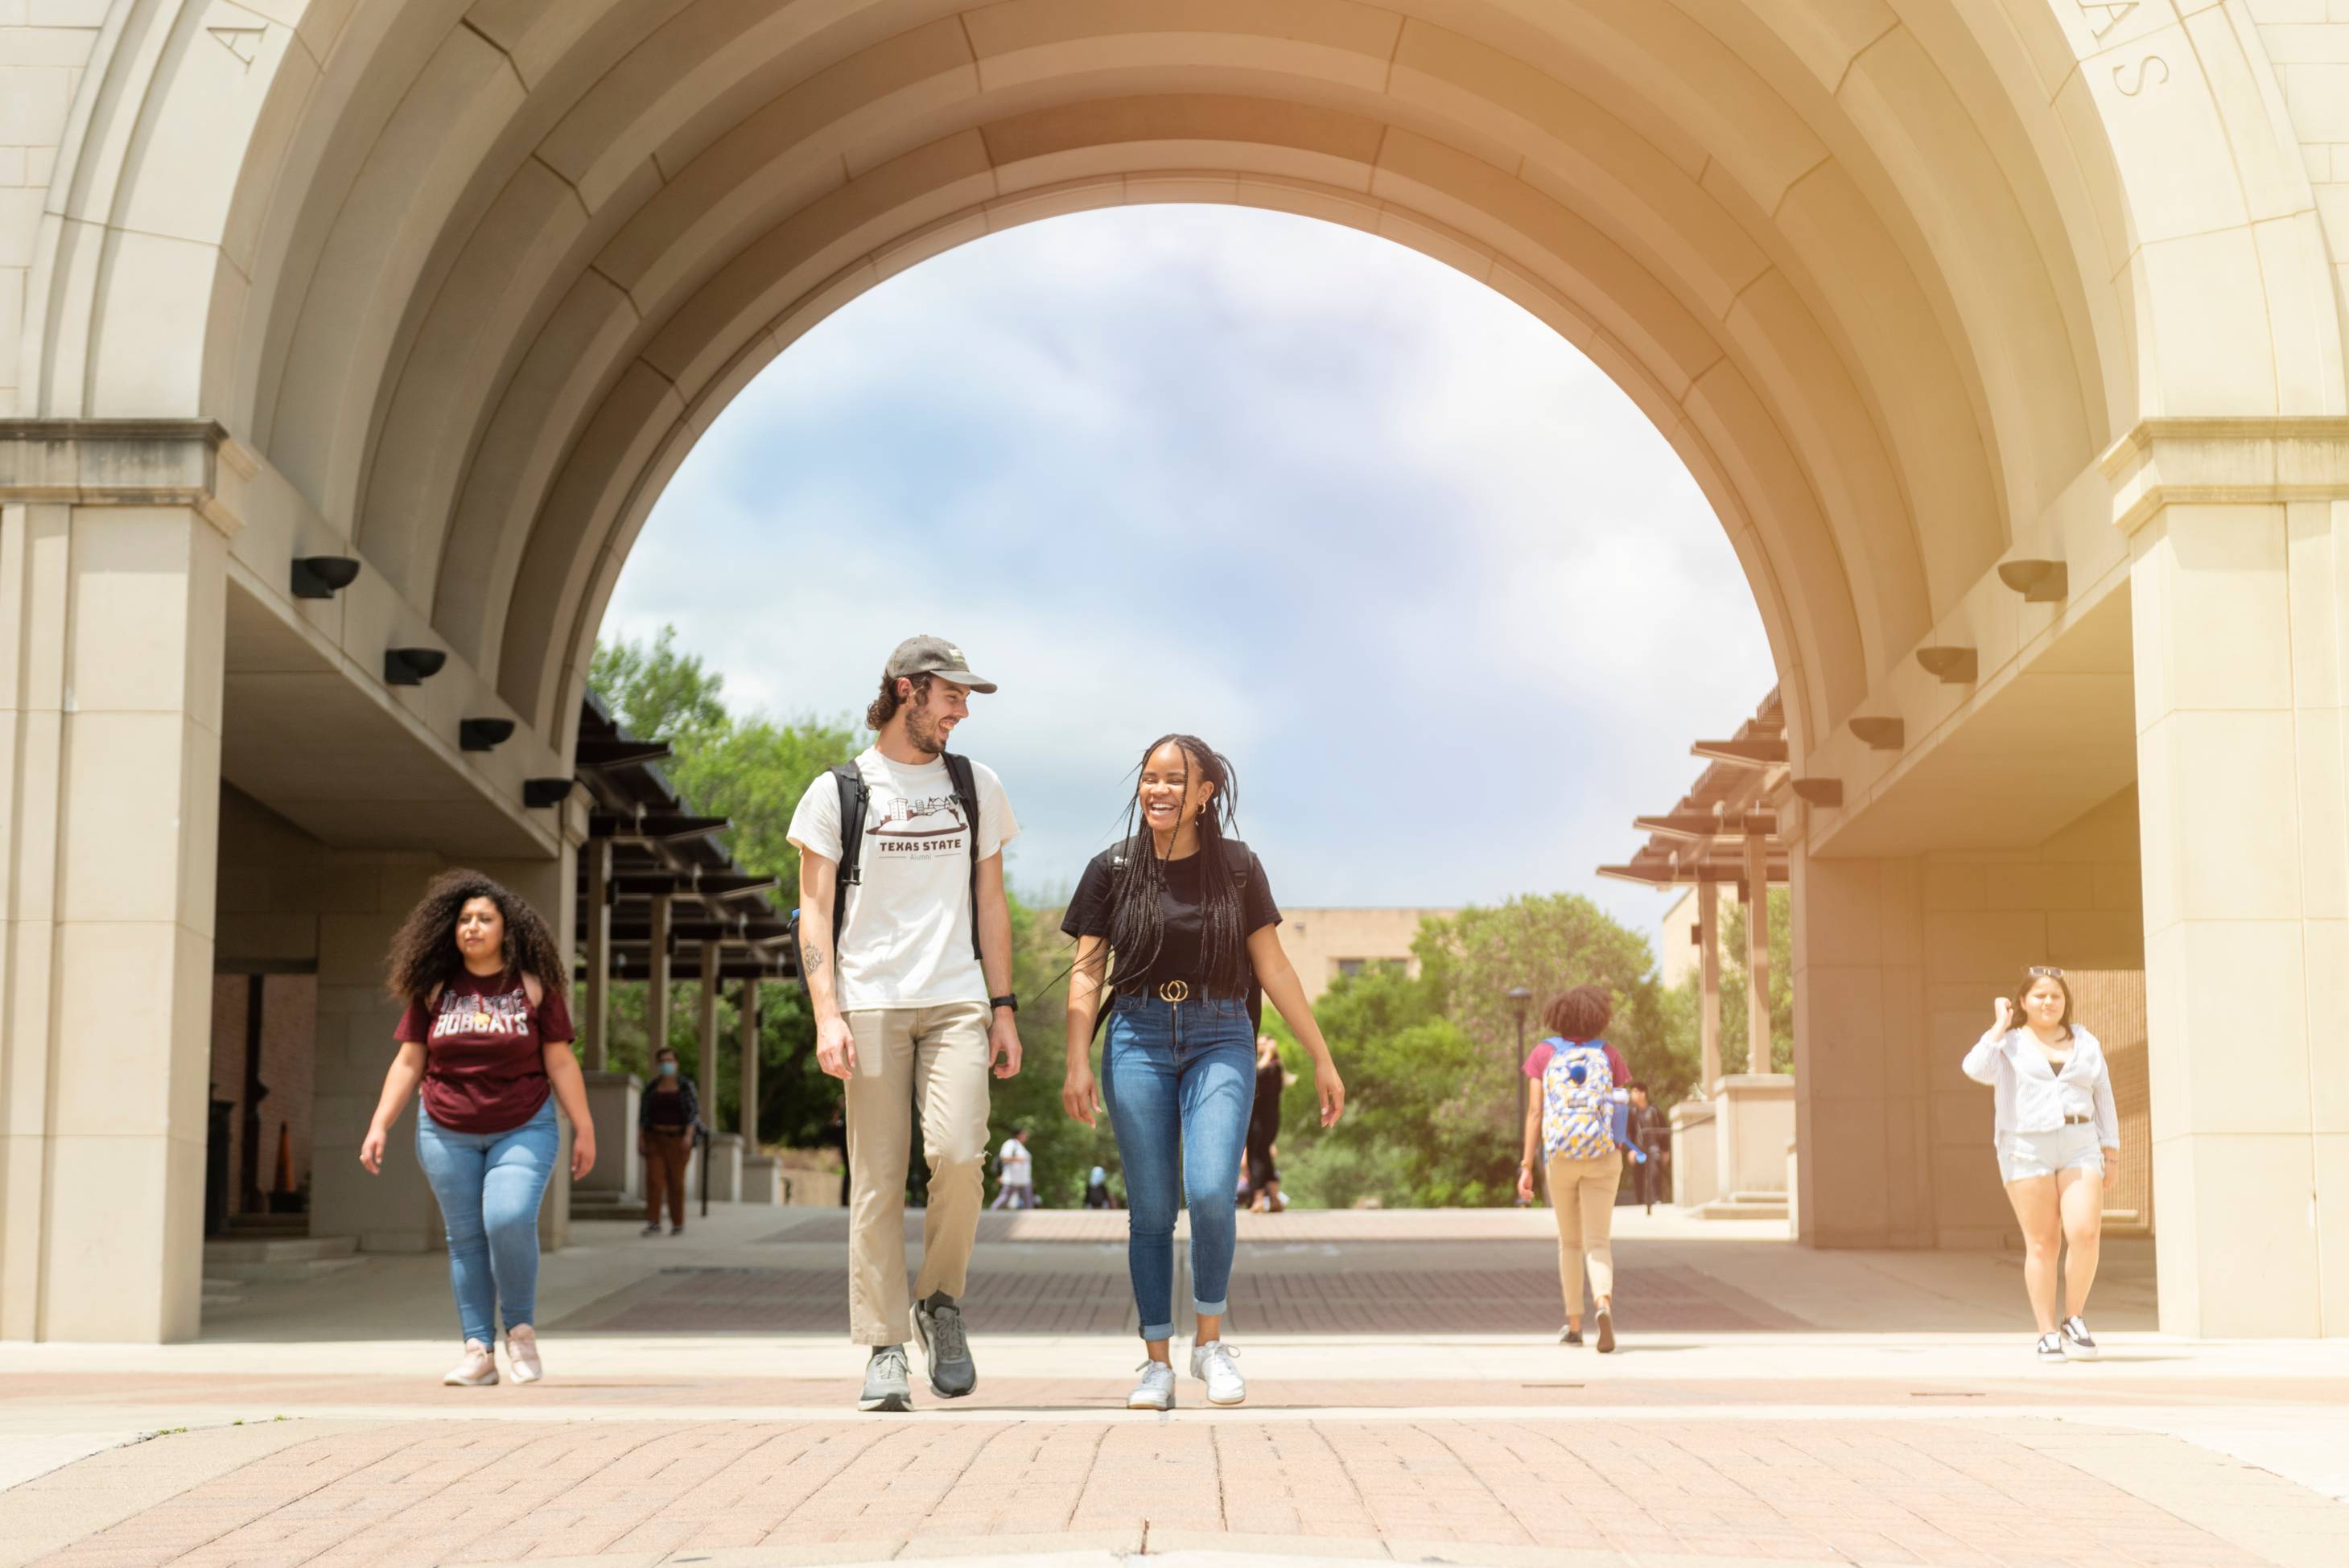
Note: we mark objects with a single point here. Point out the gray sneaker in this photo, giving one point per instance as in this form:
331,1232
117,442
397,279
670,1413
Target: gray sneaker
886,1386
945,1349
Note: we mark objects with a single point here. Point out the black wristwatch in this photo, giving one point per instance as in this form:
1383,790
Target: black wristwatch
1010,1001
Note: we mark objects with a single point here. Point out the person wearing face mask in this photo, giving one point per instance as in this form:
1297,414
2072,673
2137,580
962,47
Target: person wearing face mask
488,1035
667,1117
1184,909
2057,1133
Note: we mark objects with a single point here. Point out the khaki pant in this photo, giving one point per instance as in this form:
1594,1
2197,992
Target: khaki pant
1582,1196
937,1056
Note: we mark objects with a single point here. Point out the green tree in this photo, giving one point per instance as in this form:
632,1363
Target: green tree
657,693
1431,1061
752,771
1548,943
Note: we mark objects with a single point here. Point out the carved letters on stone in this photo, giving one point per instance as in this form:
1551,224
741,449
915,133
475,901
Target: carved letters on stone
2132,85
245,43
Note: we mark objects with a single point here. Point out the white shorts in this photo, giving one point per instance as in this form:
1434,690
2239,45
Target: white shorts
2073,1147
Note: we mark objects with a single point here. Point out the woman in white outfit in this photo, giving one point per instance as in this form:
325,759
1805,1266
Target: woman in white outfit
2058,1138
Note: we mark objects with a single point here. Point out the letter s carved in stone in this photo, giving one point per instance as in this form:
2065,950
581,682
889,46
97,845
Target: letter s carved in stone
2132,87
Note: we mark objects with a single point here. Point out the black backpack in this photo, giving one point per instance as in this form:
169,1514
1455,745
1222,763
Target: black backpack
856,801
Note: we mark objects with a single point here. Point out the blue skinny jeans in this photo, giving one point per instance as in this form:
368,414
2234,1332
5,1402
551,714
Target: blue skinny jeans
489,1186
1180,1079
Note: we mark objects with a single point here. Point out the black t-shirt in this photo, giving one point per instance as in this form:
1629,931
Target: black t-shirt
1178,954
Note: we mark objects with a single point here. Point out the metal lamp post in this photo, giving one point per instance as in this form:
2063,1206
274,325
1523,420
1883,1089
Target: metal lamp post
1518,997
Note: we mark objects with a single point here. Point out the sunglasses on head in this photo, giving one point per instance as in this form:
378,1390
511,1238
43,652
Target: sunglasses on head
2045,972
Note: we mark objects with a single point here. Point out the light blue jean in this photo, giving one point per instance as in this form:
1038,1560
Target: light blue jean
489,1186
1180,1079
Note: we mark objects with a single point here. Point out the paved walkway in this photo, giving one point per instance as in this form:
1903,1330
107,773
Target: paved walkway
1407,1402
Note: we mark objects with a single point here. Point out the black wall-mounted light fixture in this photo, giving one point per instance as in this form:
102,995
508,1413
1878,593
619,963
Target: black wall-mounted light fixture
536,792
1880,733
411,667
1820,792
1951,666
483,734
2039,582
323,576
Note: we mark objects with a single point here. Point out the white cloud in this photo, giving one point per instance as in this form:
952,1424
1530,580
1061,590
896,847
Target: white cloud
1452,605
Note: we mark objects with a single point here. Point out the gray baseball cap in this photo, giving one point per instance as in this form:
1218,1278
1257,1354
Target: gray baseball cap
933,657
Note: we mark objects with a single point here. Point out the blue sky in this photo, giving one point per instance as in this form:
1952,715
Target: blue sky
1451,606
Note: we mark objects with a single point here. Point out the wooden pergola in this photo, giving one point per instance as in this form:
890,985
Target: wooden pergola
655,878
1725,830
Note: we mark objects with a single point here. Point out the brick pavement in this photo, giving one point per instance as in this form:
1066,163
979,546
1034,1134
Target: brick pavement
1947,1494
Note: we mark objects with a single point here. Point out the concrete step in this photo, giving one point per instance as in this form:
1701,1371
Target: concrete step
603,1205
277,1249
280,1258
244,1225
1746,1206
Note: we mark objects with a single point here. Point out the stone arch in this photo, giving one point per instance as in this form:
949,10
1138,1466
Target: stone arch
1889,277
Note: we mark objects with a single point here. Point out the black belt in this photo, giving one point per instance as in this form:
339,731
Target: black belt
1175,992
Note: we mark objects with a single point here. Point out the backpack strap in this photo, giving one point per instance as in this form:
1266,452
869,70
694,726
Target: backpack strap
855,797
966,789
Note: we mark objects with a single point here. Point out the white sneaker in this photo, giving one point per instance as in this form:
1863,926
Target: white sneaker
479,1369
1156,1389
1212,1364
521,1351
2079,1344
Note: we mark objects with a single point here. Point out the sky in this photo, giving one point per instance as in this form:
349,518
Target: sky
1451,605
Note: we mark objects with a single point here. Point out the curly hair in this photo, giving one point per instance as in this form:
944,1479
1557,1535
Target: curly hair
883,708
425,953
1581,1013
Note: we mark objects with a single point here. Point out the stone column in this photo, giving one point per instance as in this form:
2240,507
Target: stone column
368,894
746,1009
1708,938
725,1148
1757,954
595,999
656,978
2238,613
1862,1093
712,954
111,635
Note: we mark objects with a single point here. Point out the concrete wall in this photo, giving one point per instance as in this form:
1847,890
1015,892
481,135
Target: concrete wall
1896,964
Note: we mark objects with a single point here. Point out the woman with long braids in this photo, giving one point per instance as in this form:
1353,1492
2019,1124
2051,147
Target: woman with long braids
1185,909
489,1036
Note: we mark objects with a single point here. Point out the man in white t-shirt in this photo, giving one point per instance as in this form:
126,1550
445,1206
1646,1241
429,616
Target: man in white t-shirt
910,1007
1018,1188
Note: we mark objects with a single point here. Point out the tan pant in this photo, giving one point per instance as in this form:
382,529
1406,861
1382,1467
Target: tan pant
937,1056
1582,1196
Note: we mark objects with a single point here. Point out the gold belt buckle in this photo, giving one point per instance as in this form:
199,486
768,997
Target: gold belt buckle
1176,991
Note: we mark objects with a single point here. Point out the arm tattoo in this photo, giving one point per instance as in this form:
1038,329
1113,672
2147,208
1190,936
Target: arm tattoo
812,956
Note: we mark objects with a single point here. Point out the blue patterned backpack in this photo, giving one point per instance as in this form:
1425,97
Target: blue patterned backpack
1577,1101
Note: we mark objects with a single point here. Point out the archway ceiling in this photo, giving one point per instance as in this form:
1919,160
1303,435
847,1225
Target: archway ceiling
540,242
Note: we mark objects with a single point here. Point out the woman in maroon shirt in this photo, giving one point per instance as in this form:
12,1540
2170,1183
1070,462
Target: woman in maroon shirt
487,1033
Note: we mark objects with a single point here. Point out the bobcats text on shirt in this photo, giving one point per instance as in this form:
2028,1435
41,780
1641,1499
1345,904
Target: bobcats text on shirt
905,941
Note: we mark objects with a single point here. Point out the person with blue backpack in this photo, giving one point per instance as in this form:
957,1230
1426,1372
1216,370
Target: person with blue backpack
1577,1128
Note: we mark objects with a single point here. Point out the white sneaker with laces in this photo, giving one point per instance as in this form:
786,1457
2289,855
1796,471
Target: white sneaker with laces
1156,1389
1212,1364
2079,1344
479,1369
521,1351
